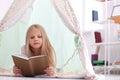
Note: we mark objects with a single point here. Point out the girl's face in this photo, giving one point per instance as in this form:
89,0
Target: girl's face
35,38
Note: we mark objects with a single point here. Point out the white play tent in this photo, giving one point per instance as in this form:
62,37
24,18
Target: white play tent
18,9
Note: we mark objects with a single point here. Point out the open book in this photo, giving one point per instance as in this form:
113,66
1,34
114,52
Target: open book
30,66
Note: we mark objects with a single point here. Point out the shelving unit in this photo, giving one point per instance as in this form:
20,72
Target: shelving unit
108,44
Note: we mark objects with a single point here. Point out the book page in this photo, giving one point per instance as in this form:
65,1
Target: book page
37,56
21,56
25,57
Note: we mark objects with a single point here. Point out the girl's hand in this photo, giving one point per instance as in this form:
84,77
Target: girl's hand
16,70
50,71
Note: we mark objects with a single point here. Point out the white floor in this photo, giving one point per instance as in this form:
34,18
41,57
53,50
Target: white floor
100,77
19,78
112,77
5,75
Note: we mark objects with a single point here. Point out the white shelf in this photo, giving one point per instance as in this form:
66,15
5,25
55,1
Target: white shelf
111,43
107,43
100,22
103,21
102,68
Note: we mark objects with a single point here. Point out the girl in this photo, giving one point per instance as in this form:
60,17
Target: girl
37,43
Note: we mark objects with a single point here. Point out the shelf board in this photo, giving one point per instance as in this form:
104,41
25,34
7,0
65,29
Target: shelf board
102,0
107,67
104,21
100,22
108,43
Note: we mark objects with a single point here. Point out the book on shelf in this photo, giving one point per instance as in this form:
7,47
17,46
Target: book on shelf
30,66
94,15
98,38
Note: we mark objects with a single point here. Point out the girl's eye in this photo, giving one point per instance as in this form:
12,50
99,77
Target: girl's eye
32,37
39,36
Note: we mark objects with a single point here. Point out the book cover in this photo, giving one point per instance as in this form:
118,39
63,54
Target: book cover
98,38
94,15
30,66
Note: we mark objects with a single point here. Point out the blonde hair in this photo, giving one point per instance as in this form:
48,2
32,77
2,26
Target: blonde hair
46,45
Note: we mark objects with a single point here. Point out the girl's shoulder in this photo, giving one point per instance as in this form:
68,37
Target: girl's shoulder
23,49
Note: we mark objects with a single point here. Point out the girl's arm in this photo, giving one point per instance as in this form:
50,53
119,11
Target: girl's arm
50,71
16,70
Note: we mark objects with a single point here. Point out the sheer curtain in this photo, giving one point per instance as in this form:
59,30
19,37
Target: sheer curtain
66,13
16,11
